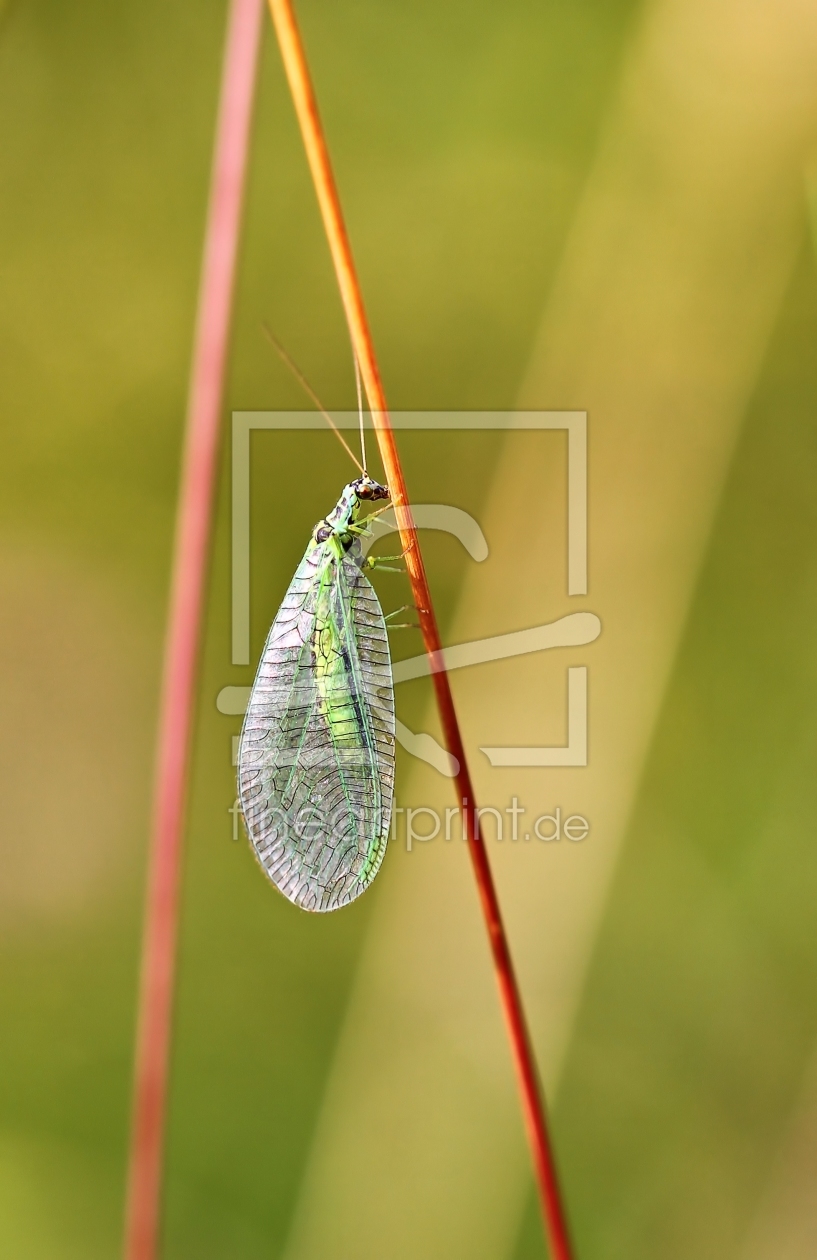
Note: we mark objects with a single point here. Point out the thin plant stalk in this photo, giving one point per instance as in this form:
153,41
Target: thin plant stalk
533,1108
188,586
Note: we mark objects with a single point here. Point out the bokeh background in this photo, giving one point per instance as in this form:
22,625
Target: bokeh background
574,203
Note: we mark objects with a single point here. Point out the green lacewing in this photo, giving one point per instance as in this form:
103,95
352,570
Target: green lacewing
316,755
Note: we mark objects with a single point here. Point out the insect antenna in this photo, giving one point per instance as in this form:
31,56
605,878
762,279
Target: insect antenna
304,383
360,413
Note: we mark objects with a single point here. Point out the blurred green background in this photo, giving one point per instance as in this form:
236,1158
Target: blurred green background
529,187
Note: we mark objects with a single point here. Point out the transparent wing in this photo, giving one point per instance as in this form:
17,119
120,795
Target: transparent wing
316,759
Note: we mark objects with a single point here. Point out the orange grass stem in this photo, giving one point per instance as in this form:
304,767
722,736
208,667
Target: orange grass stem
306,108
188,585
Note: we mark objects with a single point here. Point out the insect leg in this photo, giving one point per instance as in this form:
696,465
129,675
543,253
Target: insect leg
382,562
402,625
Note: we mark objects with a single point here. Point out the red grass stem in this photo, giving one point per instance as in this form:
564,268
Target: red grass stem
191,551
318,156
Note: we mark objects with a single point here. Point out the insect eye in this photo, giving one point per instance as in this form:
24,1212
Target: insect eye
364,491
